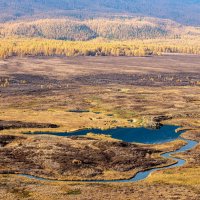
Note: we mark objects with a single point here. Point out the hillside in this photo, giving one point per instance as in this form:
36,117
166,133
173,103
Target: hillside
184,11
109,28
117,29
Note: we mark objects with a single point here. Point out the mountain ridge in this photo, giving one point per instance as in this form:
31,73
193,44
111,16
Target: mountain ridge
185,11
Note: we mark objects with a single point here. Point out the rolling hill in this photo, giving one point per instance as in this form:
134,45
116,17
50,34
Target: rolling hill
112,29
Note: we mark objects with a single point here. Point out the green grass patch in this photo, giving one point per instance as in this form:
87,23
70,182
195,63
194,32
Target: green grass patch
74,192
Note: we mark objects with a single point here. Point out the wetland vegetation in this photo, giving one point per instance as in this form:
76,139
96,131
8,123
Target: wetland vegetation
146,92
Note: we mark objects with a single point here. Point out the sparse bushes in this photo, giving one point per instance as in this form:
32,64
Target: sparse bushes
4,82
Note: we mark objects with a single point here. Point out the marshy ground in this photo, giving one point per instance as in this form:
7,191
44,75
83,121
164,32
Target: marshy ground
39,94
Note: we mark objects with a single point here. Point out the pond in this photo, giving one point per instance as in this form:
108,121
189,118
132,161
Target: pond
139,135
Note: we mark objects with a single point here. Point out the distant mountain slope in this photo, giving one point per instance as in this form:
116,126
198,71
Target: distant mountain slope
183,11
53,29
117,29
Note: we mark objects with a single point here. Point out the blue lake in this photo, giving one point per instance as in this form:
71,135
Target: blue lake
139,135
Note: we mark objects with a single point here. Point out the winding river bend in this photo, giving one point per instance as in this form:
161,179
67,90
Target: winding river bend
165,134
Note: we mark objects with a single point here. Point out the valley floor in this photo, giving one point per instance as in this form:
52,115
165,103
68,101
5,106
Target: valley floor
66,94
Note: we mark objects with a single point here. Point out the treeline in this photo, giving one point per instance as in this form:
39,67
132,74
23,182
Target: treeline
75,30
112,29
128,29
44,47
51,29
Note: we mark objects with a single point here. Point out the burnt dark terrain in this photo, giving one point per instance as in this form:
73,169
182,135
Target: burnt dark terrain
35,84
152,80
77,157
6,139
17,124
